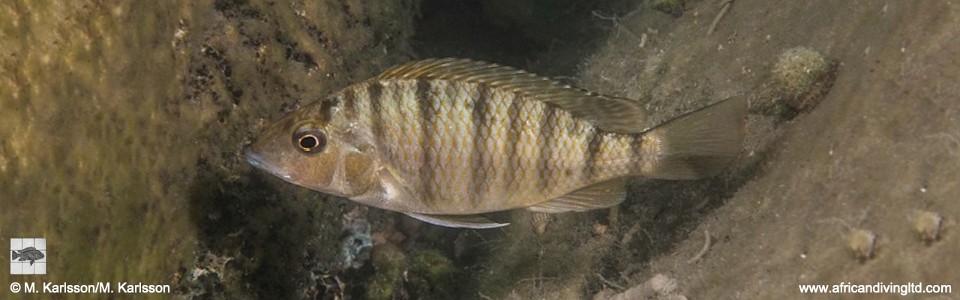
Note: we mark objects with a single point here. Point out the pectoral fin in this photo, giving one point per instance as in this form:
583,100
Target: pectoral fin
600,195
460,221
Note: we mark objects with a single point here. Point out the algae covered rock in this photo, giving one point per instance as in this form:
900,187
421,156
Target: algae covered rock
430,265
389,263
798,69
798,82
425,274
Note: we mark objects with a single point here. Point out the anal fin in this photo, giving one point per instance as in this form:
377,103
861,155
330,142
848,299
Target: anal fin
599,195
460,221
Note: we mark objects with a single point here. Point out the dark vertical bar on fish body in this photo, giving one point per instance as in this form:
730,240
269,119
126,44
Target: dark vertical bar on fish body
428,114
350,103
592,155
481,132
375,92
636,152
548,122
514,127
326,108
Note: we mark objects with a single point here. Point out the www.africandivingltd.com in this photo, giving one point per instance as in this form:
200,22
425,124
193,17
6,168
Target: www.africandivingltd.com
876,288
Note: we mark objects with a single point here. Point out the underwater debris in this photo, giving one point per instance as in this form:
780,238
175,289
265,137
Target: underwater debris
600,229
329,286
540,222
357,242
671,7
201,282
206,279
657,287
724,8
703,251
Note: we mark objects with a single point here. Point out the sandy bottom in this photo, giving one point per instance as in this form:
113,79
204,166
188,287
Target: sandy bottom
845,193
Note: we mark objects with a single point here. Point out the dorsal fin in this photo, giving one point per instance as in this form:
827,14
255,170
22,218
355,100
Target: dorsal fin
612,114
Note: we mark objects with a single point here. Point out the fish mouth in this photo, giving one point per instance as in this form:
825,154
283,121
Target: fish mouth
253,158
257,160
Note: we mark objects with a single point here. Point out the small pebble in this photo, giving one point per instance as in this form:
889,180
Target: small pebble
599,229
540,223
928,225
863,244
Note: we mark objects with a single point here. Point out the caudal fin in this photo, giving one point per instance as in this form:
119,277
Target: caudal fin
14,254
700,143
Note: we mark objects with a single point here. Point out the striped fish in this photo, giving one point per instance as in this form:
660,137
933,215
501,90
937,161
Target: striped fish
445,140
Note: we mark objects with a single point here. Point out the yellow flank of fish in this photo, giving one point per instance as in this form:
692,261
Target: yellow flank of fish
444,140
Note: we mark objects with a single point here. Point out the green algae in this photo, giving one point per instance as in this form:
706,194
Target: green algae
390,264
424,274
432,265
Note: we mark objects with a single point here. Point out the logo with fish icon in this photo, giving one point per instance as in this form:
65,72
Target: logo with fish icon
28,256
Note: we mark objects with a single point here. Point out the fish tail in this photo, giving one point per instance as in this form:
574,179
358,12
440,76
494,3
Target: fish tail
14,254
697,144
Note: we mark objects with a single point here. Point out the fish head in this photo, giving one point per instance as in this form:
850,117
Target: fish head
312,149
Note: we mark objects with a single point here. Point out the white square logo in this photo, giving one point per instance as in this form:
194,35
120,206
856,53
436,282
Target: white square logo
28,256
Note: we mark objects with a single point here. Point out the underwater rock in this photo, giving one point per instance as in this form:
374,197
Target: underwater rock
426,274
431,265
433,276
863,243
798,69
799,81
390,263
928,224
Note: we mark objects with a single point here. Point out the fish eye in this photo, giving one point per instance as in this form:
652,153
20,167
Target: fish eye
310,141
